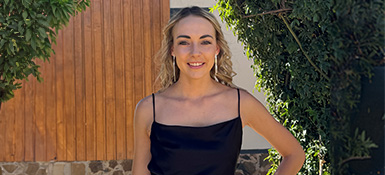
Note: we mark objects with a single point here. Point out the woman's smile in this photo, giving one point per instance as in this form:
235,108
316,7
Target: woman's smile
196,65
194,47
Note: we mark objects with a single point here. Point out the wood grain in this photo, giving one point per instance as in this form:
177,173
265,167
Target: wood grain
84,108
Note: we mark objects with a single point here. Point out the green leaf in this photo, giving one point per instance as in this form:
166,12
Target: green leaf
2,42
54,10
11,48
42,32
6,2
6,68
28,22
25,14
33,43
20,27
43,23
315,18
28,35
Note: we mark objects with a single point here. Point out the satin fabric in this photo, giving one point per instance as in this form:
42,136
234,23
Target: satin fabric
186,150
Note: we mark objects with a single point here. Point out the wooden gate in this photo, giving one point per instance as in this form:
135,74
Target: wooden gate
84,108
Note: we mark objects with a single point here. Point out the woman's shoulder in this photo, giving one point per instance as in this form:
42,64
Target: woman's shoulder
144,111
144,103
245,95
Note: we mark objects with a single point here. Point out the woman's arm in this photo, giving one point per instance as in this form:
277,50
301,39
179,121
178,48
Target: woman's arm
255,115
142,121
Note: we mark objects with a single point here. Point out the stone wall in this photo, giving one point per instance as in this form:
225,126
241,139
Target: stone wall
248,164
252,164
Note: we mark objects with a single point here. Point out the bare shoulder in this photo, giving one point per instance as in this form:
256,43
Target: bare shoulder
246,97
143,113
144,105
251,108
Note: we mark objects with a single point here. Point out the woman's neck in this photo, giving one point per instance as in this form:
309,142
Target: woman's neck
193,89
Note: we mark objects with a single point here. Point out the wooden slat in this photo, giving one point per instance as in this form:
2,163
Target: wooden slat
110,84
40,152
129,74
60,125
9,127
19,123
147,50
119,80
89,85
29,113
165,12
3,109
50,96
99,79
156,37
138,51
79,89
84,108
69,91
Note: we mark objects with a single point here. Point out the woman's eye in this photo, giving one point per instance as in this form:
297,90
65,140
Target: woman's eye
206,42
183,43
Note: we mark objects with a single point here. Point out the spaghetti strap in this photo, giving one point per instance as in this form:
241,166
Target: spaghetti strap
153,105
172,144
239,104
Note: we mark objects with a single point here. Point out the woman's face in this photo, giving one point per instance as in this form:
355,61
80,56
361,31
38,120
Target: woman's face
194,47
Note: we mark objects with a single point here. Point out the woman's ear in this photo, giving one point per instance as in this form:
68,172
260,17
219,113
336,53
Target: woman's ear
218,50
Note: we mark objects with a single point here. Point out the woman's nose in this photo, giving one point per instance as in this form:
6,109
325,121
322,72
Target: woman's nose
195,50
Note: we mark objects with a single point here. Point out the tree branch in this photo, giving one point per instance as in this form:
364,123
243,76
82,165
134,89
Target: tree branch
354,158
303,51
269,12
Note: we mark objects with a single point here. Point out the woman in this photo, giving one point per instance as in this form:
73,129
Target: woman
193,125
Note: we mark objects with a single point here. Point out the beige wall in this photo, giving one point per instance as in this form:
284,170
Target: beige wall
241,65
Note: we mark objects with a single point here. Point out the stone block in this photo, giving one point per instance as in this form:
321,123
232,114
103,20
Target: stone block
248,168
118,172
96,166
58,169
32,168
10,168
127,165
238,173
106,170
245,157
263,172
50,167
113,163
41,171
78,169
263,163
67,169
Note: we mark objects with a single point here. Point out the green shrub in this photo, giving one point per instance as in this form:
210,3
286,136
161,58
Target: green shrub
309,57
26,32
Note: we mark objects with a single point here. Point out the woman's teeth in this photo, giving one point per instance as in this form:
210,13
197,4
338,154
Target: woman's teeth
195,64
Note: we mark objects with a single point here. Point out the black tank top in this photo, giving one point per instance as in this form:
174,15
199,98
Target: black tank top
188,150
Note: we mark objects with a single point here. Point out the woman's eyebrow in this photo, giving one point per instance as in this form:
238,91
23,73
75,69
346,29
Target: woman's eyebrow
188,37
183,36
205,36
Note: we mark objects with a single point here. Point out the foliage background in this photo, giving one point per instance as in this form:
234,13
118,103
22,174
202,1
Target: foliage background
309,57
27,29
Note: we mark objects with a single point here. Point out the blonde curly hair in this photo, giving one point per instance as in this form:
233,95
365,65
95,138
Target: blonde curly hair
225,71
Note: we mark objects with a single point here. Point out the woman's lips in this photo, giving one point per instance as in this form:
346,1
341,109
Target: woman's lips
196,65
